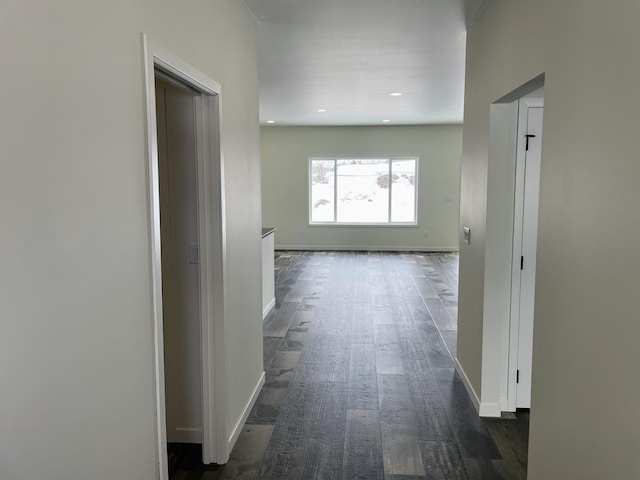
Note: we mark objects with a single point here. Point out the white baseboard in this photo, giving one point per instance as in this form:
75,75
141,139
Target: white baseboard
467,384
237,429
484,409
361,248
268,308
490,410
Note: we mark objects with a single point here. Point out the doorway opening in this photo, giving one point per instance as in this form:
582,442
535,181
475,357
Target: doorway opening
186,222
178,188
511,237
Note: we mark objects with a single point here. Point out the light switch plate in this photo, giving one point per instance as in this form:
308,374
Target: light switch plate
467,235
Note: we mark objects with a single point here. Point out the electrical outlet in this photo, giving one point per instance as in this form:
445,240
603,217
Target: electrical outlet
301,232
426,234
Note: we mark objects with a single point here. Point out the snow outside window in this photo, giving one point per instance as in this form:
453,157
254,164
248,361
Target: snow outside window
370,191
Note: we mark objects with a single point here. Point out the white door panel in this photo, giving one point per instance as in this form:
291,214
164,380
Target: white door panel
529,245
525,237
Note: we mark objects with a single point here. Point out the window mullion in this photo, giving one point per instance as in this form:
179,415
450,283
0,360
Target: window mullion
335,191
390,187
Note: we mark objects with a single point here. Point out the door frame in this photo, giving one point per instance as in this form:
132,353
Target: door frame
492,399
211,238
524,104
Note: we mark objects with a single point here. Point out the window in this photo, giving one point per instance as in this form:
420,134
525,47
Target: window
370,191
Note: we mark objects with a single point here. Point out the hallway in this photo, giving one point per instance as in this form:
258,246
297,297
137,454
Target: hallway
360,378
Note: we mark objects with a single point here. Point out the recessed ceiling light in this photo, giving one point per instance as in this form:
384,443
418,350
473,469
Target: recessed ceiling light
271,121
321,110
386,120
396,94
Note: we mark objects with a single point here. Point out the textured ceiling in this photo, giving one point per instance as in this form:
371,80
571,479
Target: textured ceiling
347,56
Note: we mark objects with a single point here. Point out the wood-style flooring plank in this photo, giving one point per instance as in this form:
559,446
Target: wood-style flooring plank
312,410
269,349
363,379
388,353
471,433
441,314
451,340
511,438
400,447
363,446
280,372
483,469
442,461
247,454
280,320
425,288
267,407
404,477
362,325
401,453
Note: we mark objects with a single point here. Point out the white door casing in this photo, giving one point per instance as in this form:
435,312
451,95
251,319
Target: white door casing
524,252
212,251
503,247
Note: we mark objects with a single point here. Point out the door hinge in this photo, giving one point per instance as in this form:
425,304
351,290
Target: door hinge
528,136
517,376
521,263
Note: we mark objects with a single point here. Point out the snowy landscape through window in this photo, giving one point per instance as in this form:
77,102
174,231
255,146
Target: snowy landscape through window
370,191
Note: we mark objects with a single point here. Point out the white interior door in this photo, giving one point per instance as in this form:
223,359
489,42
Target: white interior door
524,249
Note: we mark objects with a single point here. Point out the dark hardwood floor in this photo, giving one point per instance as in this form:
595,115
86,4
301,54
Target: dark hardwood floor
360,379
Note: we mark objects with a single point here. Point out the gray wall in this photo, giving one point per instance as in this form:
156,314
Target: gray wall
585,361
76,362
285,154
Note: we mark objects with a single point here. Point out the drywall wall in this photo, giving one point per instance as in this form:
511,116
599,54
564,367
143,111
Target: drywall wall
498,256
585,359
76,360
285,155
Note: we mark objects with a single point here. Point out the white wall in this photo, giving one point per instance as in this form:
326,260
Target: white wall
585,360
76,365
285,154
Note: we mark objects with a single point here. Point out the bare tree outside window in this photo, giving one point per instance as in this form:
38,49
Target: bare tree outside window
321,171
